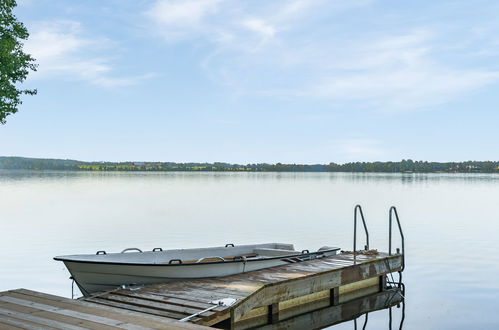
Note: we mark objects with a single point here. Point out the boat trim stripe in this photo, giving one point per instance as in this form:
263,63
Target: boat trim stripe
191,264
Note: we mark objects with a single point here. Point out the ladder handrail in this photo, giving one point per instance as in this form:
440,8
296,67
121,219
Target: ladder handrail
359,208
393,210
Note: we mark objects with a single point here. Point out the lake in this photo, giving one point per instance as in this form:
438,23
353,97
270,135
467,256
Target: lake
451,224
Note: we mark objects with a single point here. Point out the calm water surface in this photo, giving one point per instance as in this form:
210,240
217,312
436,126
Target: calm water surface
451,223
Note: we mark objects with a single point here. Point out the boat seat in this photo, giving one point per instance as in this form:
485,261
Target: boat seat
283,246
274,252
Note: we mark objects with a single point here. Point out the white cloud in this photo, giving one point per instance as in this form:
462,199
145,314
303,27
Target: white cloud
220,23
259,26
397,73
56,47
402,89
122,81
175,19
293,10
277,49
61,50
182,12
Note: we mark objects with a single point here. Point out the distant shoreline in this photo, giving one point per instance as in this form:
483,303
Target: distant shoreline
404,166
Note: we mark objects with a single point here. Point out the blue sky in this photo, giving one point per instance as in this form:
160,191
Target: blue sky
305,81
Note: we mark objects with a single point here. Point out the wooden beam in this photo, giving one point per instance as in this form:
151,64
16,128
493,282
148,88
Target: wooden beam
279,291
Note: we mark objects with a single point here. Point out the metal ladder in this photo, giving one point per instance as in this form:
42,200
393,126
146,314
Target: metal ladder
358,210
392,212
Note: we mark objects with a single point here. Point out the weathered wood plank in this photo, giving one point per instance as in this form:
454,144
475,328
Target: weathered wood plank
135,308
208,295
178,311
125,315
85,307
72,313
13,323
70,321
8,326
241,285
38,320
38,301
205,296
193,288
169,300
219,287
201,297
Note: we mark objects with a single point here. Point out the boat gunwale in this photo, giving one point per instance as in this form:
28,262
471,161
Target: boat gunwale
61,258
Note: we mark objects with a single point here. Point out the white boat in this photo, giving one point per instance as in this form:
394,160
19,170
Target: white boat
132,267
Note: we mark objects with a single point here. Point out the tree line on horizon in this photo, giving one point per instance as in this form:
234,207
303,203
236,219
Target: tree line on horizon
404,166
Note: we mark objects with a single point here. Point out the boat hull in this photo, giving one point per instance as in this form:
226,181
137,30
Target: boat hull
92,277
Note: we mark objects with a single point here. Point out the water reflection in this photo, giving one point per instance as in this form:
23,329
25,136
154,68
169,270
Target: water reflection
369,312
393,323
404,178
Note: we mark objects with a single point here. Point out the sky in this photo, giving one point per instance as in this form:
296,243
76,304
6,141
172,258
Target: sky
303,81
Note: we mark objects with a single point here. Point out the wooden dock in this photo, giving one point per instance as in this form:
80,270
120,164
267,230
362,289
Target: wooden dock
344,285
25,309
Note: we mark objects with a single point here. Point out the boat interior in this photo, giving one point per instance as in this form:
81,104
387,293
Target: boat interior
228,252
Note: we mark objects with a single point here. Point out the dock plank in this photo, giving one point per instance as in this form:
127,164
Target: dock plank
176,311
13,323
8,326
122,315
199,293
202,300
168,300
39,320
68,312
140,309
69,322
189,287
199,297
210,286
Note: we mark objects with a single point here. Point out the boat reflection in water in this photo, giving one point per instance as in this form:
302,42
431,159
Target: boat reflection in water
356,311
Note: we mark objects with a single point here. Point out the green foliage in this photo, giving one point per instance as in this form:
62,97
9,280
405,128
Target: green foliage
15,64
404,166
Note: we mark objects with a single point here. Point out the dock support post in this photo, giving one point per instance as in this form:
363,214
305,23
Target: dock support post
274,313
382,283
334,296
